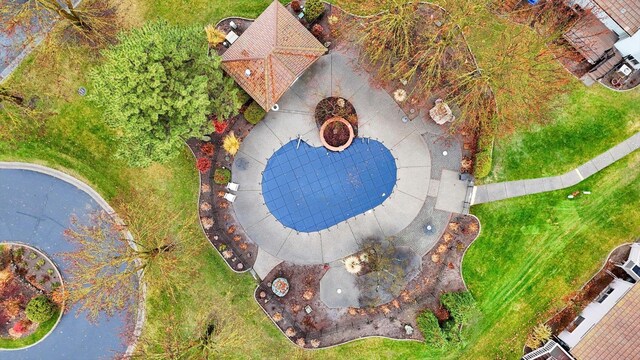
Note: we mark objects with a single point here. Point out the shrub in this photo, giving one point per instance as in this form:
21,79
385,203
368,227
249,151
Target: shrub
203,164
483,164
231,144
222,176
317,30
21,327
208,149
313,9
40,309
461,306
214,36
254,113
220,126
540,335
430,328
295,6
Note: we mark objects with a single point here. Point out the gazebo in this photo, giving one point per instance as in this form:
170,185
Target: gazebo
271,54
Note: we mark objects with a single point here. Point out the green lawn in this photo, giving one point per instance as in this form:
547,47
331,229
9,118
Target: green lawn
520,267
590,121
535,250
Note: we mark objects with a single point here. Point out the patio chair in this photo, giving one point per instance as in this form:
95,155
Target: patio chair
230,197
233,186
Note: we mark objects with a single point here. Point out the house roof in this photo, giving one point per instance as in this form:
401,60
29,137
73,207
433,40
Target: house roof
616,335
591,37
625,12
276,49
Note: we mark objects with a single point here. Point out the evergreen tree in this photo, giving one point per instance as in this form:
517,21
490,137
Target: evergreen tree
157,87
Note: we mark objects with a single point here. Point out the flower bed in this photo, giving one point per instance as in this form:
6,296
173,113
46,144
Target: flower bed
28,283
336,134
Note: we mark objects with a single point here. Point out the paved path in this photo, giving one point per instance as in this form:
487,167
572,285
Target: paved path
510,189
35,209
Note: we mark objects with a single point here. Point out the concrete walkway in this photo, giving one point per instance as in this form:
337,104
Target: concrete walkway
510,189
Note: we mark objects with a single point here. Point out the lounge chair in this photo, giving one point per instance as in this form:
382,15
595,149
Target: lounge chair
233,186
231,37
230,197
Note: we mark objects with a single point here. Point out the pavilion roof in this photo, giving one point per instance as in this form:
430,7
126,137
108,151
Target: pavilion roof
276,49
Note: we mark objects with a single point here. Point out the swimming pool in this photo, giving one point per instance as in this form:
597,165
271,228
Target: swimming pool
310,189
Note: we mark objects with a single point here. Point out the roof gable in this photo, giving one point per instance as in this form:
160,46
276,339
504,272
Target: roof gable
277,49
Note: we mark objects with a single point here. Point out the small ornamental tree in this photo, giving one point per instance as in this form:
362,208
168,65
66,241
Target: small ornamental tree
40,309
157,87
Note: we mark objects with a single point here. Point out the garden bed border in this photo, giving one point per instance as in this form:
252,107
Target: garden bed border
55,267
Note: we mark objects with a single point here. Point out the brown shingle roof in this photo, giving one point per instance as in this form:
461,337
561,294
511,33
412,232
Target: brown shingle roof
591,37
277,49
625,12
615,337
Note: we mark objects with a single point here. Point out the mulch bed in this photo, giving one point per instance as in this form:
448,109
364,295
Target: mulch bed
24,274
577,301
326,326
216,214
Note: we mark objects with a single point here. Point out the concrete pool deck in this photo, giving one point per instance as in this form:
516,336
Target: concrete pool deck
380,118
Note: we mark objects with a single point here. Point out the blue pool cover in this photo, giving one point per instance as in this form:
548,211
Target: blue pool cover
310,189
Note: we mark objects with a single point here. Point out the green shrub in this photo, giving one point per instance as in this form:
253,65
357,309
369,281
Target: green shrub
484,157
254,113
484,161
40,309
222,176
485,143
313,9
430,328
461,306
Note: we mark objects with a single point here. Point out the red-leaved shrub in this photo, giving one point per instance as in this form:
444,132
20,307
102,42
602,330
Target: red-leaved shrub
207,149
220,126
295,5
203,164
21,326
317,30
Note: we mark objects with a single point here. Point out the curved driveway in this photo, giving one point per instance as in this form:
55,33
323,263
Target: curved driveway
379,118
35,209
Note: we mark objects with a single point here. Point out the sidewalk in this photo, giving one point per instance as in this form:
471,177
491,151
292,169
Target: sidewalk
510,189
